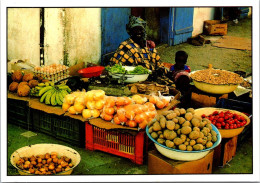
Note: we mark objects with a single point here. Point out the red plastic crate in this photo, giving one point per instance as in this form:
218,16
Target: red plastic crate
115,142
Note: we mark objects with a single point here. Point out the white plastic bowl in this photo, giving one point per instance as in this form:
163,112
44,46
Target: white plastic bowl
131,78
39,149
180,155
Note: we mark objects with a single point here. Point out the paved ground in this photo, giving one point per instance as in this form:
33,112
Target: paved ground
199,57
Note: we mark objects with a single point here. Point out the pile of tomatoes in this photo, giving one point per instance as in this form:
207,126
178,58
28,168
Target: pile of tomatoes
226,120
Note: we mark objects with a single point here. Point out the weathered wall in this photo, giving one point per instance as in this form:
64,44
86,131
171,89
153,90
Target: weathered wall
53,35
199,16
83,35
24,34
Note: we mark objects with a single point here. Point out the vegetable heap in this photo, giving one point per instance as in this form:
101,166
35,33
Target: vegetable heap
119,69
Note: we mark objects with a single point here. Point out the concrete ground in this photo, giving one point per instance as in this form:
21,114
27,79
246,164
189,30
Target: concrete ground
96,162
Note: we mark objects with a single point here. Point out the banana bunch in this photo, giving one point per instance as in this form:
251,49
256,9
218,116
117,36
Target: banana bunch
54,95
35,91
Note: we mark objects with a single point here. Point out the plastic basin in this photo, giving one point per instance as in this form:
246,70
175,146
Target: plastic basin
214,88
89,72
180,155
39,149
131,78
225,133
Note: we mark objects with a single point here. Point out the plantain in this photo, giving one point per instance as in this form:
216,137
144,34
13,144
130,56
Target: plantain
59,98
45,89
64,87
48,97
41,84
53,98
43,97
64,93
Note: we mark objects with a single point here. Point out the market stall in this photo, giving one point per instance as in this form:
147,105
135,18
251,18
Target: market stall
118,111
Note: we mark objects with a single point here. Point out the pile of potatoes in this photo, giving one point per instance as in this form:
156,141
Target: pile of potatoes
182,129
45,164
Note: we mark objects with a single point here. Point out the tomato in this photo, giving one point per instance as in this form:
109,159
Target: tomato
215,113
231,115
242,118
223,124
231,127
226,117
220,120
221,114
203,115
238,125
235,126
226,127
211,118
219,127
213,122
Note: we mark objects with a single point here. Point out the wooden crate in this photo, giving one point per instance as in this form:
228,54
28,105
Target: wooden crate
159,164
225,151
215,27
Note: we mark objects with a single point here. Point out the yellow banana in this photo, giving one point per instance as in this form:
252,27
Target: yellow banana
53,98
58,98
48,97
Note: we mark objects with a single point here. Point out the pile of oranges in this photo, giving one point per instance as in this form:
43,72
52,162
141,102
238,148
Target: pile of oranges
136,111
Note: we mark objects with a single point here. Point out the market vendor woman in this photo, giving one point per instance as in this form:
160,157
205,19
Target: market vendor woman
136,50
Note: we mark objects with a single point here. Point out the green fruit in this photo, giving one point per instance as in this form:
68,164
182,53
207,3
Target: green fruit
45,89
53,98
58,98
48,97
43,97
64,93
41,84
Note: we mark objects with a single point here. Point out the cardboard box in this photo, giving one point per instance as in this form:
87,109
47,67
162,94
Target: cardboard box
215,27
159,164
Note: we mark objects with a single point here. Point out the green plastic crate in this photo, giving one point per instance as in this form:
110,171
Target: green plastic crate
18,113
61,127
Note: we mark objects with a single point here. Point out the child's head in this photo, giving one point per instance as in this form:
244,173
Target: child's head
181,58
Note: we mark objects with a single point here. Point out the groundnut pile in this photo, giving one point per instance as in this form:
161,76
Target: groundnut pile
45,164
216,76
182,129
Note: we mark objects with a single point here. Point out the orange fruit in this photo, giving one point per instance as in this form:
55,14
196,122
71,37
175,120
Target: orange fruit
160,104
132,123
143,124
91,104
150,105
107,117
72,110
122,117
139,118
99,104
99,95
166,102
120,101
153,99
128,100
79,107
65,106
138,110
86,113
110,102
109,110
116,120
130,114
95,113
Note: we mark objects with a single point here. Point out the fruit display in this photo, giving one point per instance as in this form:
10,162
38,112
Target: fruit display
52,94
45,164
183,130
226,120
159,102
53,72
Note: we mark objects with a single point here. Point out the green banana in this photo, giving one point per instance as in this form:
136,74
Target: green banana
45,95
38,87
58,98
45,89
53,98
51,83
48,97
64,93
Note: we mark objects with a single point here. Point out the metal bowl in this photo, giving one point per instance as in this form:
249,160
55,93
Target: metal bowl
39,149
214,88
131,78
225,133
180,155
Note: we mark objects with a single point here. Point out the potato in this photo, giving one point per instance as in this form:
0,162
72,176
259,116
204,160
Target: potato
154,135
191,110
186,143
182,147
198,147
169,143
209,138
189,148
188,116
177,141
196,129
201,134
165,113
156,126
170,125
182,111
195,122
171,116
163,122
186,123
176,110
169,135
159,132
150,130
199,140
177,126
161,141
209,144
150,123
183,137
175,120
181,120
194,135
161,136
179,131
185,130
213,133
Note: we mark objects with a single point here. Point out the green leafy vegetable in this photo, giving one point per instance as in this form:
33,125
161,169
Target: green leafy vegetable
119,69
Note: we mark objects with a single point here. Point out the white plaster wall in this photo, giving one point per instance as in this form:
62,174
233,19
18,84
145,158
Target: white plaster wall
200,15
54,35
23,37
83,35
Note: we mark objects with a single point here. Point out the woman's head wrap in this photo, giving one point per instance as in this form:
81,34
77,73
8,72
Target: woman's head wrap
134,22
